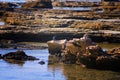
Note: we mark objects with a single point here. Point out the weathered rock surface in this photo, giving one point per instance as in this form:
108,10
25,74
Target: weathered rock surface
7,6
56,47
38,4
84,51
101,60
75,3
34,25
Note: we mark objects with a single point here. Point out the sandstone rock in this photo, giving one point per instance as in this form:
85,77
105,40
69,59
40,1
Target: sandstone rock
83,51
75,48
55,46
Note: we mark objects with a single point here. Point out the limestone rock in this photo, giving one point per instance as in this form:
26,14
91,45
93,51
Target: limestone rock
55,46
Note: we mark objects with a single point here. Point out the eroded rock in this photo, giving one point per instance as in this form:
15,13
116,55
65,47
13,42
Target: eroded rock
38,4
84,51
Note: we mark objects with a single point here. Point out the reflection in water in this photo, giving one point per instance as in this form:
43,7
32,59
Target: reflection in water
72,8
76,72
18,62
2,23
31,70
106,45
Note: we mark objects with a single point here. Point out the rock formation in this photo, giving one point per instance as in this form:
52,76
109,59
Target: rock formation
38,4
56,46
18,55
84,51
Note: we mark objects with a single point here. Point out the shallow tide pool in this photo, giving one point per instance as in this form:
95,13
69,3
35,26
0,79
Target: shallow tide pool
31,70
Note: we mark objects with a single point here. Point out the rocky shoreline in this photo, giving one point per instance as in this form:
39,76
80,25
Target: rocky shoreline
43,25
83,51
40,23
45,35
10,44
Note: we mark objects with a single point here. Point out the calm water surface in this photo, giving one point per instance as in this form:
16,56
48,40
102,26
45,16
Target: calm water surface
31,70
72,8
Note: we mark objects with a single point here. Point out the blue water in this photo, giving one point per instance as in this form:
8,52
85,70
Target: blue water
2,23
14,1
72,8
31,70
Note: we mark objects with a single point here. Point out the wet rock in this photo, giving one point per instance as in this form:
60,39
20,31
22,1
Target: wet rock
108,62
41,62
6,43
114,51
32,58
18,55
0,56
69,58
85,52
100,60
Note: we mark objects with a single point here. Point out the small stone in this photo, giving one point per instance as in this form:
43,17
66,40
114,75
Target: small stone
41,62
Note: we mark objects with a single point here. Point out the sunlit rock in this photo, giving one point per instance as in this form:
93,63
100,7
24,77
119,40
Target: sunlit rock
85,52
56,46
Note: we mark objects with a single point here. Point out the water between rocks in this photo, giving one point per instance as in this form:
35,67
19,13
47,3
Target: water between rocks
31,70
